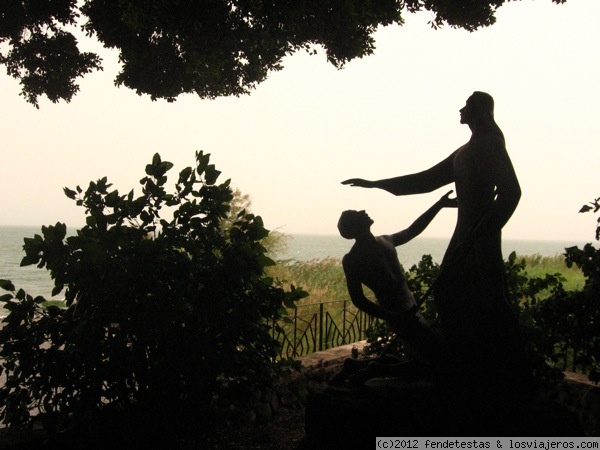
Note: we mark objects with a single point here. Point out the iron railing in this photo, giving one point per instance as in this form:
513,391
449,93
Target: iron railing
312,328
317,327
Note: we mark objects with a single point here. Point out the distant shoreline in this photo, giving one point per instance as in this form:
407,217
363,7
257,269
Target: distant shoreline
446,238
319,246
37,228
300,247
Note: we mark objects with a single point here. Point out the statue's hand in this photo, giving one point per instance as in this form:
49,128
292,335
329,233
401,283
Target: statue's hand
446,202
358,182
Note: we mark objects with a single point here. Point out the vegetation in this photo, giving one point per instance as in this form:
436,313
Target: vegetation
212,48
537,266
275,242
572,319
169,297
556,299
324,279
166,320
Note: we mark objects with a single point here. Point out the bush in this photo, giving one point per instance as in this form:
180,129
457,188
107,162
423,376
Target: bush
571,319
526,295
166,311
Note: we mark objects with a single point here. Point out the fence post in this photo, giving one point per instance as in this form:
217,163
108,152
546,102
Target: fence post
361,324
344,325
320,326
295,344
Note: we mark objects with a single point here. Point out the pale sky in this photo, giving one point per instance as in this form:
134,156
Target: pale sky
308,127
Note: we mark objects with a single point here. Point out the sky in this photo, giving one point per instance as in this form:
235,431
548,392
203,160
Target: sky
290,143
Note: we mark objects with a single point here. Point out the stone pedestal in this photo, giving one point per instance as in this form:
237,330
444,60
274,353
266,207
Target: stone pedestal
342,415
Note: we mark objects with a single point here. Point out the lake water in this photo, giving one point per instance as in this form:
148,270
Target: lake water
307,247
300,247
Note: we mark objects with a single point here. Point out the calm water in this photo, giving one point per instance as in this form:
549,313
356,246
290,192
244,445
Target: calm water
300,247
307,247
33,280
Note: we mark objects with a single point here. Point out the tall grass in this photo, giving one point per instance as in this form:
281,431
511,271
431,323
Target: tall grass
538,266
324,279
325,282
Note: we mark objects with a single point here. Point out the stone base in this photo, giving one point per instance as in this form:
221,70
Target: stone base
344,415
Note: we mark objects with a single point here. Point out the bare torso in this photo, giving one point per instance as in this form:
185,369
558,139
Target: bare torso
375,264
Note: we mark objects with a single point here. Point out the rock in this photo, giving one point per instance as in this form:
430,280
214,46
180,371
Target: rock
274,402
393,407
287,398
263,412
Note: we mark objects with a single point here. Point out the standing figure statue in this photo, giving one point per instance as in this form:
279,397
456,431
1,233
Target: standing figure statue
373,262
478,324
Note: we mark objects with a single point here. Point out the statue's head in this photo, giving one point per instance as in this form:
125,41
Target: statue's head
483,103
353,224
479,108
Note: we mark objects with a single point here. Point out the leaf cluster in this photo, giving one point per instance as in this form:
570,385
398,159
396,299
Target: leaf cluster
211,48
38,50
468,14
582,312
166,316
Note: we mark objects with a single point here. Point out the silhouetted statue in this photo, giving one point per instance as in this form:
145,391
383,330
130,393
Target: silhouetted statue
471,294
373,262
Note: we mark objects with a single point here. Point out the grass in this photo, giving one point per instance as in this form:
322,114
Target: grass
325,283
538,266
324,279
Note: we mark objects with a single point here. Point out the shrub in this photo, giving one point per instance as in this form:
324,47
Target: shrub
166,311
571,319
525,293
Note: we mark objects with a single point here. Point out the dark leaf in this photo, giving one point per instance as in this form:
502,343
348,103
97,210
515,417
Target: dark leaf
69,193
7,285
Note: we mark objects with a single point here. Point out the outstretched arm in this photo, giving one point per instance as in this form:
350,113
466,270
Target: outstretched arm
418,183
417,227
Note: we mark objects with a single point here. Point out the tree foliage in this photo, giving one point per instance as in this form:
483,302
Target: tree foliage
167,311
275,243
211,48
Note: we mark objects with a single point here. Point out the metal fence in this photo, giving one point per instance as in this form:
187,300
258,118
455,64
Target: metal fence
316,327
312,328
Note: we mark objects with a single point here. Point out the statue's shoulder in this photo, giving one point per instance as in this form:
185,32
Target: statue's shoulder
488,140
385,240
350,259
